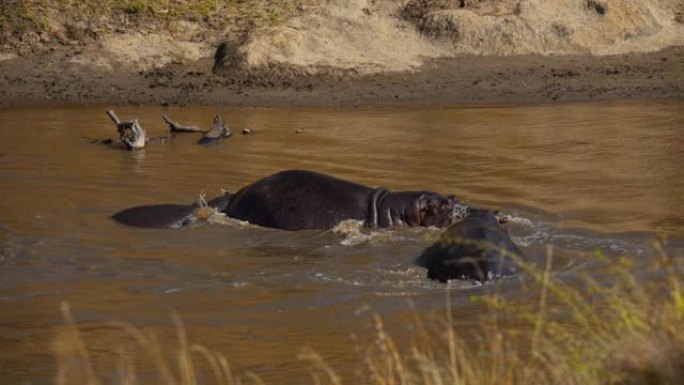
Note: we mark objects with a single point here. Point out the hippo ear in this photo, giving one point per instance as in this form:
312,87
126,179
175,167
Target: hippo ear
425,206
420,206
422,202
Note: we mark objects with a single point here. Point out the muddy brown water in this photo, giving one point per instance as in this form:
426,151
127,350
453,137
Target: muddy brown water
581,177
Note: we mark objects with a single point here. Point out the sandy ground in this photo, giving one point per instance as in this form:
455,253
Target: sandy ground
369,52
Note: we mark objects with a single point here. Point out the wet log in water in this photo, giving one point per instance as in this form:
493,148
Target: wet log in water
177,127
131,133
218,131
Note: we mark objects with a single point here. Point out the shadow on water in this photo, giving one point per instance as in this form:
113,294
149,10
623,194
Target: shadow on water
584,178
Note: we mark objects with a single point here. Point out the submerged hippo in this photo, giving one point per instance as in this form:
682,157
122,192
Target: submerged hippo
478,248
305,200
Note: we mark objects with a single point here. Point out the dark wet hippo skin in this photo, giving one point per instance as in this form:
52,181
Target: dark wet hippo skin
306,200
166,215
300,200
477,248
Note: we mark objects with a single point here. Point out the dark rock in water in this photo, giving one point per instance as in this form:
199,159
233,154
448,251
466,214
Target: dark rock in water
477,248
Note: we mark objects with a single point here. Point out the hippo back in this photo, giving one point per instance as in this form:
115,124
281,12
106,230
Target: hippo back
478,248
300,200
167,215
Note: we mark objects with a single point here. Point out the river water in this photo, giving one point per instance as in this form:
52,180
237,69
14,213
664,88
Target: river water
582,177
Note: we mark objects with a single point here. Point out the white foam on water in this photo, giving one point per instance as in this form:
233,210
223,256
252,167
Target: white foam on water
172,290
355,233
219,218
522,221
542,233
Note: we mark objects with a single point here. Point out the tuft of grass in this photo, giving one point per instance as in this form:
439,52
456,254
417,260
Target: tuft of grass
274,17
136,7
75,364
616,330
18,17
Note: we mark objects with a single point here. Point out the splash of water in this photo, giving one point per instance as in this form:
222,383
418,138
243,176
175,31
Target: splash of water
220,218
356,233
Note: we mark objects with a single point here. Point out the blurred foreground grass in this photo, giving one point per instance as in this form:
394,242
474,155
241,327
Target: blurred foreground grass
620,329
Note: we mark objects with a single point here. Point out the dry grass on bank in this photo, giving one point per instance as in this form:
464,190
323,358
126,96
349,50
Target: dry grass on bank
80,19
586,332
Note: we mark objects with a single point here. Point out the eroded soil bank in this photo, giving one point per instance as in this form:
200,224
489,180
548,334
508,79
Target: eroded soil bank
519,79
349,53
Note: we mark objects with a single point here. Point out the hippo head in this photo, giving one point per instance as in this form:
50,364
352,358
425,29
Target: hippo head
435,210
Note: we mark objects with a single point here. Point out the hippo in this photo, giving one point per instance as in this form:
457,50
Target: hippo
307,200
476,248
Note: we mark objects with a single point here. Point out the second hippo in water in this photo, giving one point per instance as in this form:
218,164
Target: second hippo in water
307,200
477,248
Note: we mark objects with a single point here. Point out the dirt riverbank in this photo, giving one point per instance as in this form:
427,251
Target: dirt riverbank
521,79
360,52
